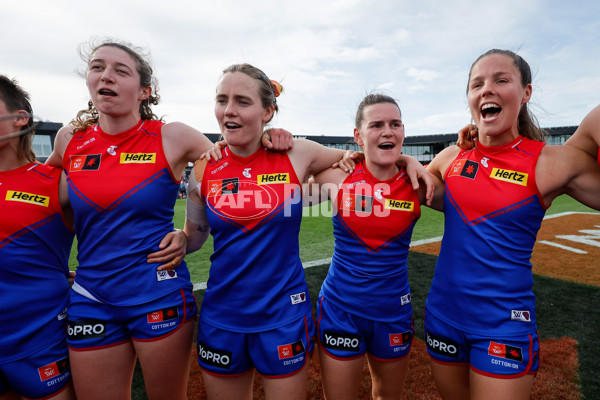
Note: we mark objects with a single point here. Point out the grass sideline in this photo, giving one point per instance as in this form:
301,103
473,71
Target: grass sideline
563,308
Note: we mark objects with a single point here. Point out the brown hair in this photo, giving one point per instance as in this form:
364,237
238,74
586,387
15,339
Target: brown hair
88,117
16,98
527,122
369,100
267,90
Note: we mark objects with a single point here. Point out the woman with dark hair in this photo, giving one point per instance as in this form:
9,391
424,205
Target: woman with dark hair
364,307
480,320
35,241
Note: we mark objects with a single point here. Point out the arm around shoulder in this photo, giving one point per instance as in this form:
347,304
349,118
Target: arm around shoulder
310,157
442,161
62,139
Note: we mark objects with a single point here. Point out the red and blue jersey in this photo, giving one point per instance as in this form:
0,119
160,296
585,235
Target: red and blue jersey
122,192
493,211
372,227
35,243
254,208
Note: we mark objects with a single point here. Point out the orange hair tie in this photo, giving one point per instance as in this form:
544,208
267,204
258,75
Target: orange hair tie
277,88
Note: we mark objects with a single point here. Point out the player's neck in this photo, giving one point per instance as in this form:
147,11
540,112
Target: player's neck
117,124
8,156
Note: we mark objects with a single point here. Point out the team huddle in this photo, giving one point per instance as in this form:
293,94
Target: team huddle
112,182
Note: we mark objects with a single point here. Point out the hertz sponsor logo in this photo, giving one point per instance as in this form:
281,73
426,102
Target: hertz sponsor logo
12,195
266,179
138,158
402,205
507,175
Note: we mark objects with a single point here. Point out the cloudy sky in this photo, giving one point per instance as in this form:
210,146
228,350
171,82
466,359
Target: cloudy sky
326,54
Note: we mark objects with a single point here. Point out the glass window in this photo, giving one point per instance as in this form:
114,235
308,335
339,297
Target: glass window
42,146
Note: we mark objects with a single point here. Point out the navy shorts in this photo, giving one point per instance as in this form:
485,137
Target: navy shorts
275,353
40,375
494,356
343,335
93,325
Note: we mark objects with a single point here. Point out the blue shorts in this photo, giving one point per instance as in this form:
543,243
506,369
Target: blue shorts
42,374
276,353
93,325
494,356
343,335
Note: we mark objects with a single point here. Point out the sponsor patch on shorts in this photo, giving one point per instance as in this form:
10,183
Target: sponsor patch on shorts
505,351
163,315
214,357
87,329
53,370
290,350
442,346
165,275
398,339
340,341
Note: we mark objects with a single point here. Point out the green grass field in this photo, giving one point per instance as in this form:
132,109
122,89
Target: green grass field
563,308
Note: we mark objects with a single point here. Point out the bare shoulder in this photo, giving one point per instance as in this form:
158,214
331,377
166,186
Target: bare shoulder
587,135
61,141
554,158
557,165
303,145
184,141
178,128
441,162
65,134
331,175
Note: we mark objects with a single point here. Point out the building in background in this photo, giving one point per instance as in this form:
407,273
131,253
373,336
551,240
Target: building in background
423,147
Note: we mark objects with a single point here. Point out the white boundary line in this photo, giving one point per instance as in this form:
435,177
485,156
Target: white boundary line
560,246
326,261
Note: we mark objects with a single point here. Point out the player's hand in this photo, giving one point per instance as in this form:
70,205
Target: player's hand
467,137
349,160
172,251
277,139
215,152
416,171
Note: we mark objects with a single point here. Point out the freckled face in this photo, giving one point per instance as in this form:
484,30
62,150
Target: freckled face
496,96
114,83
